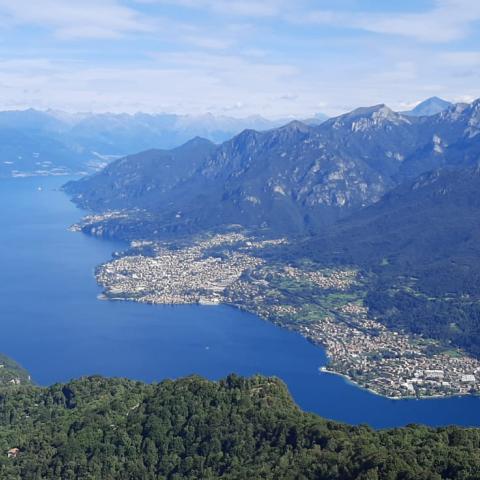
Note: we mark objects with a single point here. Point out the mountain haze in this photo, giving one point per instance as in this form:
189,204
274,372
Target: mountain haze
56,142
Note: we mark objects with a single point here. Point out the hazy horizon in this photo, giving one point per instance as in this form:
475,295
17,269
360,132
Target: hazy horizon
280,117
238,58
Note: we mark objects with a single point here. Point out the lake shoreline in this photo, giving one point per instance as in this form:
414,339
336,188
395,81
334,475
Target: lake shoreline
65,332
324,369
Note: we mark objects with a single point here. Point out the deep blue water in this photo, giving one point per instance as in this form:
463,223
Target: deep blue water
53,324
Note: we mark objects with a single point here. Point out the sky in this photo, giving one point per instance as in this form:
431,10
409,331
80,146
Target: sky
276,58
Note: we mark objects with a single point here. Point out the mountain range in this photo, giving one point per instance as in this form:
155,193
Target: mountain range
416,225
295,179
393,196
56,142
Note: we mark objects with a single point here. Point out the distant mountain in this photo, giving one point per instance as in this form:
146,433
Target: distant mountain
296,178
317,119
430,106
121,134
55,142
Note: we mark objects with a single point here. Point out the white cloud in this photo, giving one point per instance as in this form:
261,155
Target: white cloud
71,19
174,82
198,82
448,20
467,59
247,59
244,8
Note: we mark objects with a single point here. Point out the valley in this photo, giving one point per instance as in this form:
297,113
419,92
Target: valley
309,258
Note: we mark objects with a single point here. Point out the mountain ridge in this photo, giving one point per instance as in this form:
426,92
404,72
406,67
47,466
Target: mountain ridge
300,178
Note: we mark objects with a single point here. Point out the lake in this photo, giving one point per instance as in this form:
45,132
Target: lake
53,324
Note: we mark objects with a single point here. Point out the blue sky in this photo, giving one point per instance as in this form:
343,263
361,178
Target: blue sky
237,57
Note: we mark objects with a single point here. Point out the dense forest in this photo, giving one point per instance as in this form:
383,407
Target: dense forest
454,321
105,429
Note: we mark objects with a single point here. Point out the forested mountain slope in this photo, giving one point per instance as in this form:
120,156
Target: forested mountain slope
148,177
418,223
420,246
96,428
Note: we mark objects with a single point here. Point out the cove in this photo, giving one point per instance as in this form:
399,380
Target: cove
54,325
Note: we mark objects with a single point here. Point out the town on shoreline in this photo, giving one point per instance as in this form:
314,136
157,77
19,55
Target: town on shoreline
323,304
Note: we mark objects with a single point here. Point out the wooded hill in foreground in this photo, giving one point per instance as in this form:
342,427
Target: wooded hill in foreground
97,428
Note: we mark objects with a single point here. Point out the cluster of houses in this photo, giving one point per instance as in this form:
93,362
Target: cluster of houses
391,363
178,275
